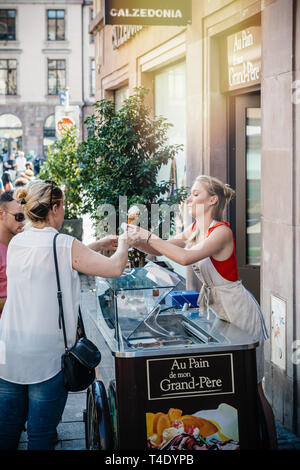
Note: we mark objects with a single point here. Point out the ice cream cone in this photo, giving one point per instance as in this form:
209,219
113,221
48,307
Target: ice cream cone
133,215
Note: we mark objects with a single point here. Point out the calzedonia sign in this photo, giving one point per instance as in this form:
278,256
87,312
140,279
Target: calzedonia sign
148,12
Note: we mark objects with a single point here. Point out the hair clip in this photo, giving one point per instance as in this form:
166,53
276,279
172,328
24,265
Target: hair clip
23,201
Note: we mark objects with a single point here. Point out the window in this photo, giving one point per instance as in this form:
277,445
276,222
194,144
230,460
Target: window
8,77
92,77
170,102
7,25
92,37
56,76
56,25
253,185
120,95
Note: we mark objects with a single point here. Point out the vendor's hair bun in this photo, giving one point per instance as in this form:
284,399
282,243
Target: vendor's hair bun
229,193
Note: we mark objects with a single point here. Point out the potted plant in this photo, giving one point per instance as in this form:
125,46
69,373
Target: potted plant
122,156
63,167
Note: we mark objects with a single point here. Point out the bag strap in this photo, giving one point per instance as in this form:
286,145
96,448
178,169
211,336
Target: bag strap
80,321
61,320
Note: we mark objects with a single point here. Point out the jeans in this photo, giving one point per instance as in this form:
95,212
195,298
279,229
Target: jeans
41,404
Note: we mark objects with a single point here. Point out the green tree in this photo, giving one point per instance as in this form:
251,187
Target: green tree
122,156
63,166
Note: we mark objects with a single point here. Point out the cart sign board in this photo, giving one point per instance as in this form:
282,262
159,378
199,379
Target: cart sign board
181,377
243,59
148,12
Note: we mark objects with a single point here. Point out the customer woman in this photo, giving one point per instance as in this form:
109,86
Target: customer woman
208,245
31,342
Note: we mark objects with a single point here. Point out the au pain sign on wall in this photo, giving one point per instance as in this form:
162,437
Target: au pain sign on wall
243,59
148,12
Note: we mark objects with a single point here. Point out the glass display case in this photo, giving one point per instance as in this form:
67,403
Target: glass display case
132,314
131,304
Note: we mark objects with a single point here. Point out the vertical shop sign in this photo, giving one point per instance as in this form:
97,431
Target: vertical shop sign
148,12
243,58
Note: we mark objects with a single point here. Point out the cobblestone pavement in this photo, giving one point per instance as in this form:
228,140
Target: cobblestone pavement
71,433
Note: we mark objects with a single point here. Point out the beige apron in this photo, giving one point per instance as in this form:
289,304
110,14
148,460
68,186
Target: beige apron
232,302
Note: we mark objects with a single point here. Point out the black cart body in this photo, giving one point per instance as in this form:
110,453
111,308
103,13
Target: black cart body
170,379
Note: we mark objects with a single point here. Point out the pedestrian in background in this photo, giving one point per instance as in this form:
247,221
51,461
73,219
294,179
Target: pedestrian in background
29,166
21,181
28,175
12,221
7,182
31,381
10,166
20,163
3,157
37,165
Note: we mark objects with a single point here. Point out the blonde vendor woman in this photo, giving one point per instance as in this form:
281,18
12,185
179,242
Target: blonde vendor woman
208,245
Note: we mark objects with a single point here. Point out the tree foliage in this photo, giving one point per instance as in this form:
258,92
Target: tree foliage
63,166
123,154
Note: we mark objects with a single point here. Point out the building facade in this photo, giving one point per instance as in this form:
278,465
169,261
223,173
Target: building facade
45,48
228,83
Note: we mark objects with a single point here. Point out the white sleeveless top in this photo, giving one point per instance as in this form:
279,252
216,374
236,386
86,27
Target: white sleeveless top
31,343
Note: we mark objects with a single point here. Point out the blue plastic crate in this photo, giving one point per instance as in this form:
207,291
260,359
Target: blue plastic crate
178,298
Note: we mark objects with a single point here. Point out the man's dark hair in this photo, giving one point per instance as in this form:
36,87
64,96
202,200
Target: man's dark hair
5,197
20,182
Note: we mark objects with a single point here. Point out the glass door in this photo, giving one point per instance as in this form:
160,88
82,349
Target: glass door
247,176
253,183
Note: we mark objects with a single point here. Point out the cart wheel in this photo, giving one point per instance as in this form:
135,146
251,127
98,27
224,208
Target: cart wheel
112,403
98,424
92,438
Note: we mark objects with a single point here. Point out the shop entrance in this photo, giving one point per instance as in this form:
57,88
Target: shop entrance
245,176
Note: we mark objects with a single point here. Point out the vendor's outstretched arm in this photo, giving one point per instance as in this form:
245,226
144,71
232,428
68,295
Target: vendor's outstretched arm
209,247
179,240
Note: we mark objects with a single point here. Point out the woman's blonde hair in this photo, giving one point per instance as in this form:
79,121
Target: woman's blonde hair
214,187
38,197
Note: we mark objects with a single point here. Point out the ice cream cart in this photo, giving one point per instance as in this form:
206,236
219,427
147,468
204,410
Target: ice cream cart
179,380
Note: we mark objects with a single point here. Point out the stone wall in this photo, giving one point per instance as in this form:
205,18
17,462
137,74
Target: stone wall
280,196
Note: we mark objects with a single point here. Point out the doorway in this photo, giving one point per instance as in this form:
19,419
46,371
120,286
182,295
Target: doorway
245,177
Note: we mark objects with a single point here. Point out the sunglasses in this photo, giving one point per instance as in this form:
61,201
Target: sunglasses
19,216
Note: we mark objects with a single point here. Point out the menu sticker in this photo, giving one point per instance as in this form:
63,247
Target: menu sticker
190,376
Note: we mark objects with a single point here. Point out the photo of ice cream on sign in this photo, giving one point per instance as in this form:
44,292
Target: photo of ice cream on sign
203,430
133,215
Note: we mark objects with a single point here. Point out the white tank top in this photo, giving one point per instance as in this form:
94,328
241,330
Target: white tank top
31,343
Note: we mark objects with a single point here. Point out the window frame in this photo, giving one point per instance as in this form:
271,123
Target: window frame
92,36
47,23
16,77
56,69
92,92
15,24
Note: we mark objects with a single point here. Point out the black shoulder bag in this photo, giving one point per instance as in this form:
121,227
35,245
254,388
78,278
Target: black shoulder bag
78,362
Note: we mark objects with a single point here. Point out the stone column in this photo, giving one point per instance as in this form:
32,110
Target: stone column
280,196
